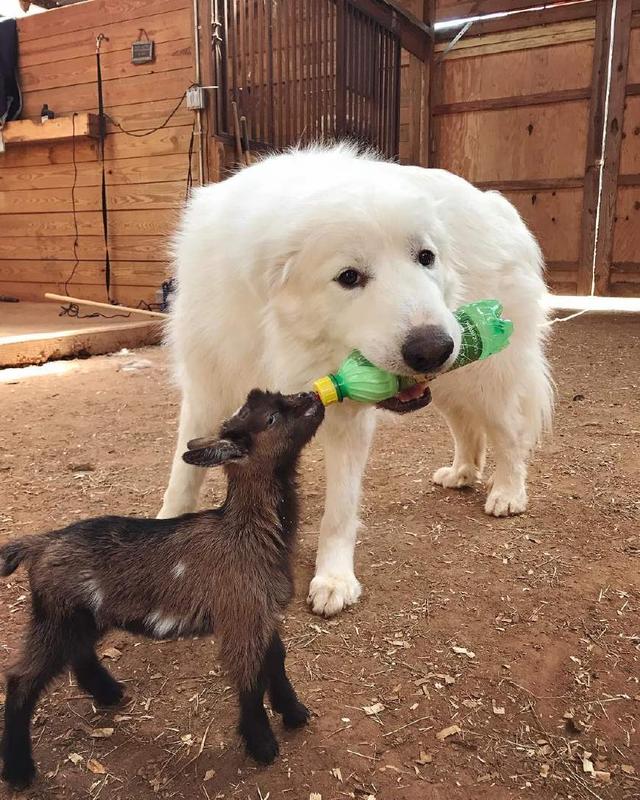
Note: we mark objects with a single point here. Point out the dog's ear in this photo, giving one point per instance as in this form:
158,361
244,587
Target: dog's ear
213,452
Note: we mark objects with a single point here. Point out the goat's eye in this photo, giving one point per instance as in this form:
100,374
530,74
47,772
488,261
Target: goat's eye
351,278
273,418
426,258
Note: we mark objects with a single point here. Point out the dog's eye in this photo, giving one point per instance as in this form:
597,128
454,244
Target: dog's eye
426,258
273,418
351,278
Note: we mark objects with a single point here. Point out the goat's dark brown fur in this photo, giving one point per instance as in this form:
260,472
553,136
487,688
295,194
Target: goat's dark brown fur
226,570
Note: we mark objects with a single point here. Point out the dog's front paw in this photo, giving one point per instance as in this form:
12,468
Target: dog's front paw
456,477
506,501
329,594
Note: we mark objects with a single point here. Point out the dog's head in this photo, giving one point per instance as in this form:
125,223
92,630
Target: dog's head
367,269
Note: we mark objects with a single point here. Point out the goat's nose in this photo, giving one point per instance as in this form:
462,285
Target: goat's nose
426,348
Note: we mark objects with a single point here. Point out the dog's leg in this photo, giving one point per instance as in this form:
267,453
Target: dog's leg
347,437
470,447
507,485
198,417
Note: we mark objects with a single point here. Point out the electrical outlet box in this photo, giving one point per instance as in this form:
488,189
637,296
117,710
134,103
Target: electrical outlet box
195,98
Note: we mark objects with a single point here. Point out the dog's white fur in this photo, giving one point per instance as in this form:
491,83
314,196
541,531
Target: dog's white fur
257,305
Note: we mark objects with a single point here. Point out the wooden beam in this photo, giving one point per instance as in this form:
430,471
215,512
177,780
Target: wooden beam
23,131
613,143
593,156
419,93
526,19
456,9
516,101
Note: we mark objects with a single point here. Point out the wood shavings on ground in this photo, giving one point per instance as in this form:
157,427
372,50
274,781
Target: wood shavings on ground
445,733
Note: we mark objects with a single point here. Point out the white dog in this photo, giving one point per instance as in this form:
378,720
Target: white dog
287,266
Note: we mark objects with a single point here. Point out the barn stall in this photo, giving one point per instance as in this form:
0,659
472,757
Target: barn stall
487,659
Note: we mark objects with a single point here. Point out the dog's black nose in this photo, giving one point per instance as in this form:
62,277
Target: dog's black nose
427,348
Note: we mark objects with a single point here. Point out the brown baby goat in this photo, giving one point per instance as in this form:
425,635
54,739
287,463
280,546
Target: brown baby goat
226,571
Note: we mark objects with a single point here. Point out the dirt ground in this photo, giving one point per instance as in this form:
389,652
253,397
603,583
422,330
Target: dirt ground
523,633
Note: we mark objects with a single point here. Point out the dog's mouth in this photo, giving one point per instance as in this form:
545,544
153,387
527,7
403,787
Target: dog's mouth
415,396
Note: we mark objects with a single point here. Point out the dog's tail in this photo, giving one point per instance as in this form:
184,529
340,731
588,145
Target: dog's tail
13,554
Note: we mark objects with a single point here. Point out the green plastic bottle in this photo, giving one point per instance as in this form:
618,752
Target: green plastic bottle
484,332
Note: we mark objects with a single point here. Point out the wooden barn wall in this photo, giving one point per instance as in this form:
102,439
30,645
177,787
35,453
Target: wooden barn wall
145,175
624,276
510,111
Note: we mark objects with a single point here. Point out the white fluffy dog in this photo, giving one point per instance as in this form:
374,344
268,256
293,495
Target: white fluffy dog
287,266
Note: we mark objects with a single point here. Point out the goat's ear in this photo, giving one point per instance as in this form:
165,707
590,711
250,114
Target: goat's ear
213,452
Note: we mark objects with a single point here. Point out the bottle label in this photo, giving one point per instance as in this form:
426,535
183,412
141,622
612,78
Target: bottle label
471,343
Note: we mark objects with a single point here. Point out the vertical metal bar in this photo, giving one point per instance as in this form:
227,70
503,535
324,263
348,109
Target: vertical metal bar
232,34
341,68
280,101
317,51
379,87
396,99
250,59
269,58
292,100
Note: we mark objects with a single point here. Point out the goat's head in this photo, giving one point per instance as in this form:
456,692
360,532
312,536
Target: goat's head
269,429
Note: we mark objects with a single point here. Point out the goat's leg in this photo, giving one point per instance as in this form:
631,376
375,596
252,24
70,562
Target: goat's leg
94,679
254,725
281,693
43,658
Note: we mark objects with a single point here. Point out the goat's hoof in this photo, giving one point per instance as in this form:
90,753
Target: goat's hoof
296,717
19,778
111,695
263,749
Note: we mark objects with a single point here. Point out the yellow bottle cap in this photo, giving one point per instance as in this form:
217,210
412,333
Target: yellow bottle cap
326,390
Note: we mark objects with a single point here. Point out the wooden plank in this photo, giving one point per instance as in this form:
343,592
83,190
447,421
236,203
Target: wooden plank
526,19
457,9
531,185
126,273
115,66
137,88
26,131
63,45
562,67
517,101
534,143
141,196
122,223
593,153
121,248
84,17
522,39
77,340
633,73
554,218
626,225
141,117
611,169
630,153
167,141
123,273
121,171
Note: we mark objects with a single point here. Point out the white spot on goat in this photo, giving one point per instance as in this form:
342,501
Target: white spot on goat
179,569
95,595
162,625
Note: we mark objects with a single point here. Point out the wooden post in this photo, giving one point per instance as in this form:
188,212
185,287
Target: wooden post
613,144
419,93
593,159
